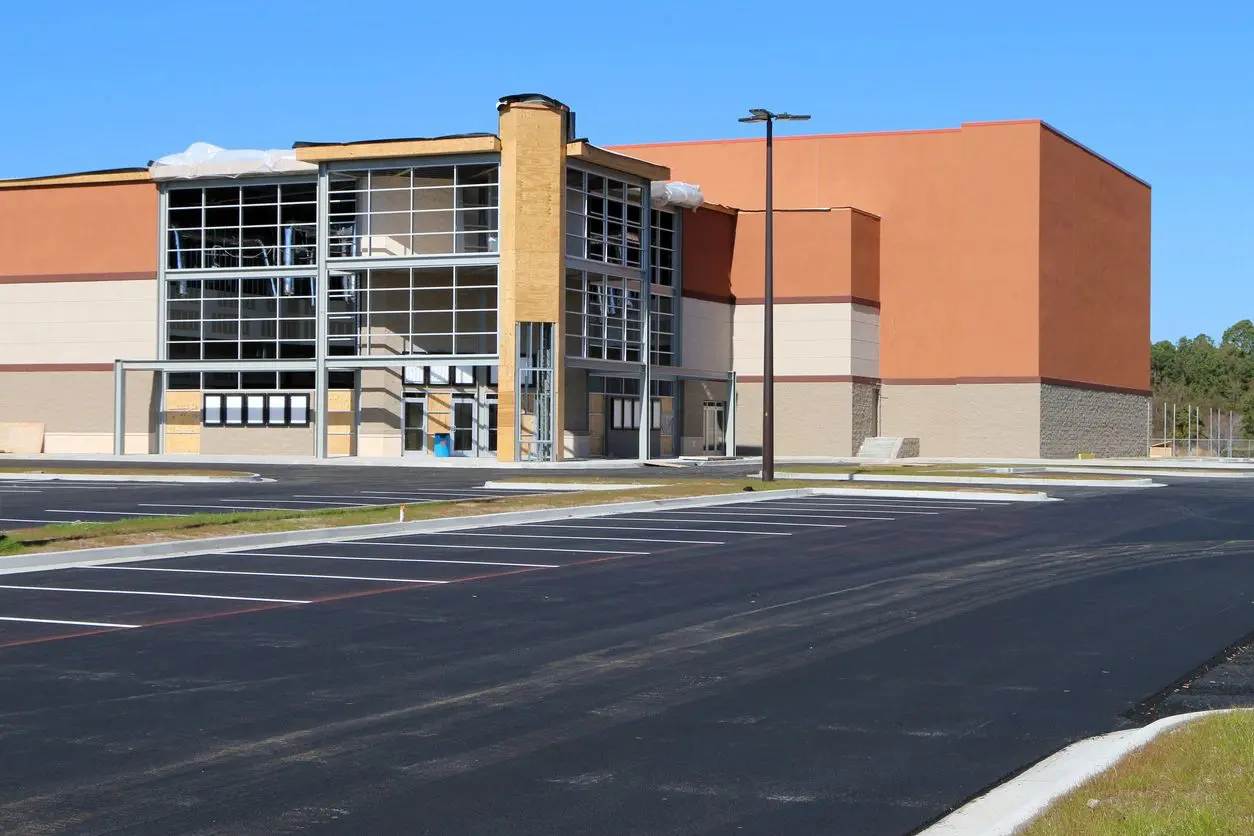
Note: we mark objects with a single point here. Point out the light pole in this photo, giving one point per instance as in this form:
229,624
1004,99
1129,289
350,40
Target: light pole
757,114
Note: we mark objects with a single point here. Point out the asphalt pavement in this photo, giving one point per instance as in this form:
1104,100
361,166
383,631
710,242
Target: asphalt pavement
834,666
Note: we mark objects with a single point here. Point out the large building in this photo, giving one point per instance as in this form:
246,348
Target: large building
984,289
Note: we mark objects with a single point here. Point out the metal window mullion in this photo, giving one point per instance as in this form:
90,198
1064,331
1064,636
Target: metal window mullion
645,306
321,326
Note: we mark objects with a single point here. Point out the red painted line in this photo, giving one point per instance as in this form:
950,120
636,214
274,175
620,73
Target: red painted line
325,599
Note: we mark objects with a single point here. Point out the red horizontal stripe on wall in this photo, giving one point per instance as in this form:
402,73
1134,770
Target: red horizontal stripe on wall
1047,381
810,300
809,378
78,277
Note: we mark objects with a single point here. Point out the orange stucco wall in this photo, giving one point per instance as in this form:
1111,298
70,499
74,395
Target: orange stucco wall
964,242
819,254
79,230
1095,269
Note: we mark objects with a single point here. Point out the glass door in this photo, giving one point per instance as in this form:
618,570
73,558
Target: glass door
464,425
415,431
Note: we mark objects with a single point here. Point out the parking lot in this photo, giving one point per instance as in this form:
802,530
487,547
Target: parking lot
817,665
79,601
24,503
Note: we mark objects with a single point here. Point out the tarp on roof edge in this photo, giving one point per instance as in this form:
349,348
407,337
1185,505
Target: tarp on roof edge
663,194
204,160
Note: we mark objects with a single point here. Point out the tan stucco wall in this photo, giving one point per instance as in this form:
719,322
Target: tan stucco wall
257,441
810,339
78,322
76,408
970,419
707,334
811,419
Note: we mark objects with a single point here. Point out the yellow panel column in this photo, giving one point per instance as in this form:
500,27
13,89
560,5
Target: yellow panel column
533,244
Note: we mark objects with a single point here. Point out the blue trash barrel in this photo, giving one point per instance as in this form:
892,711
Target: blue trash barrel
443,446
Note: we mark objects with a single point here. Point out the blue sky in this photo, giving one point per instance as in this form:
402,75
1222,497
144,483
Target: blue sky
1166,91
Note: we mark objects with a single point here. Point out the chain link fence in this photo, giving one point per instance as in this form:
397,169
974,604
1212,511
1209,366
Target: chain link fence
1188,431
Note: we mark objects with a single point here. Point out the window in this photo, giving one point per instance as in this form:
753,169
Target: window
603,318
662,323
234,410
662,248
604,218
268,410
625,414
213,410
256,410
431,310
424,210
242,226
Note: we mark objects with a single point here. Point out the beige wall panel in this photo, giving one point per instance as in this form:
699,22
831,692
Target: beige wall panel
707,334
101,443
382,402
811,419
439,413
182,400
967,419
76,402
379,446
810,339
21,437
340,400
78,322
258,441
182,443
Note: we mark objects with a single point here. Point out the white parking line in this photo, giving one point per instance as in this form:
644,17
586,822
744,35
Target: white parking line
397,560
157,594
735,522
70,623
833,501
500,548
115,513
577,537
430,492
414,581
739,514
596,525
866,508
6,490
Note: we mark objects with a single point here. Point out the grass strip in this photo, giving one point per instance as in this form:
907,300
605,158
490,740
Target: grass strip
66,536
1197,780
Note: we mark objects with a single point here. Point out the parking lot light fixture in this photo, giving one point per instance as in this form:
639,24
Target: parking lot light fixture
757,114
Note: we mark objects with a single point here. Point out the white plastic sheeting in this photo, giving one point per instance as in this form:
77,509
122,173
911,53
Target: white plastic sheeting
204,160
664,195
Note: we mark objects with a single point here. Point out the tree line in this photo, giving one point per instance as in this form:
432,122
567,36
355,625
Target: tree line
1206,375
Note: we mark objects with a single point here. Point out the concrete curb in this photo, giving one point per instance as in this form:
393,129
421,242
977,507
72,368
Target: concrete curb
245,542
1179,473
100,477
564,486
1003,810
906,493
991,481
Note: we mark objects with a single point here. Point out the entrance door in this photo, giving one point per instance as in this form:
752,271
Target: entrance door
713,426
464,425
415,431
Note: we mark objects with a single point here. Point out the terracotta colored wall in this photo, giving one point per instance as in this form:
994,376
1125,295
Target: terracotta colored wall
709,241
1095,269
998,277
814,256
68,230
864,232
913,181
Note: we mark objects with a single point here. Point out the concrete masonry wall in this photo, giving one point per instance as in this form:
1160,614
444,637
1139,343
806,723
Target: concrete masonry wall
1104,423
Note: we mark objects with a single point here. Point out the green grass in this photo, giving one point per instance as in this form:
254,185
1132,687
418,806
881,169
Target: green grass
1195,781
158,529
